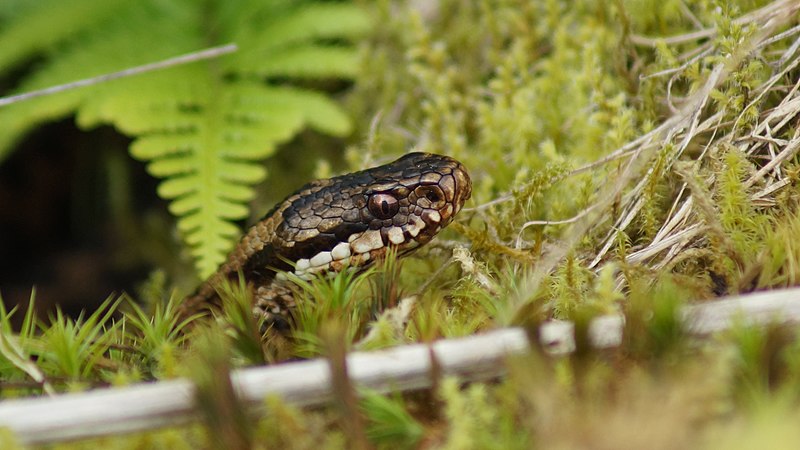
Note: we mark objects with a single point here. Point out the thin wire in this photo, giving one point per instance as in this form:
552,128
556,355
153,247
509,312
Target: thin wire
212,52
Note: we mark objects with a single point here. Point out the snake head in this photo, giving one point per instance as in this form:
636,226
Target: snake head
351,220
413,198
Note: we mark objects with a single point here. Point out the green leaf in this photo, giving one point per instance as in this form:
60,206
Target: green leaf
50,22
310,23
313,61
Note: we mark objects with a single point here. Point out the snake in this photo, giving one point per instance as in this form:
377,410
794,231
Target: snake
345,222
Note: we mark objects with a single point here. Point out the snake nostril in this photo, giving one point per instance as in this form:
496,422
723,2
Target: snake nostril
432,195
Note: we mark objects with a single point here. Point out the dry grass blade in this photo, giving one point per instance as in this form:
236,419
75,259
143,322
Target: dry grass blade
12,351
775,9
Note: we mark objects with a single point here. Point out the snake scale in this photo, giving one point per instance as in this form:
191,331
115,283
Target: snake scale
345,221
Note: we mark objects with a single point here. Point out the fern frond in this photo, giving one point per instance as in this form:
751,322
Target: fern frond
320,112
204,127
39,28
95,54
310,23
312,61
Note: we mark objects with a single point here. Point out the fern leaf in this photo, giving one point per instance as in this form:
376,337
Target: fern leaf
308,62
38,28
317,110
202,128
310,23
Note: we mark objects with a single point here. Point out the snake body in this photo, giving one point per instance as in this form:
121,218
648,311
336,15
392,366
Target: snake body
345,221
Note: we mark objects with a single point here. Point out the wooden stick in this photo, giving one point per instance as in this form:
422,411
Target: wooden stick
109,411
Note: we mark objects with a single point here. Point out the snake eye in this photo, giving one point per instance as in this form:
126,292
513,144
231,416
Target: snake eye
383,206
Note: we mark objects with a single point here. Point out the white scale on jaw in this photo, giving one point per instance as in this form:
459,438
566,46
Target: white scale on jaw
369,240
360,246
396,235
341,251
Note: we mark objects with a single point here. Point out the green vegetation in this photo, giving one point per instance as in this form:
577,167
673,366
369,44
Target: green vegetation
627,157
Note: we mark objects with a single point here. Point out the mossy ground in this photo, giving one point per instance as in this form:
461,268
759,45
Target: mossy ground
613,172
